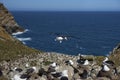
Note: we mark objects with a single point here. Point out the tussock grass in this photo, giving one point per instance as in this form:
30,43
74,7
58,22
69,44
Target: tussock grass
99,59
10,50
115,57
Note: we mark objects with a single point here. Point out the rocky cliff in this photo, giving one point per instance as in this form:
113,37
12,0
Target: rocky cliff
7,21
10,47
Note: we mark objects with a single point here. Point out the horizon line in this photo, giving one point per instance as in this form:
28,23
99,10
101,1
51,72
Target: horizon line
61,11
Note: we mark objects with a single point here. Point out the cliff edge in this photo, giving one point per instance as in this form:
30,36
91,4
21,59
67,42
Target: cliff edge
7,21
11,48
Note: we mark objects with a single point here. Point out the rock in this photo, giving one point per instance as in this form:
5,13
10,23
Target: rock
1,73
34,76
92,70
7,21
102,78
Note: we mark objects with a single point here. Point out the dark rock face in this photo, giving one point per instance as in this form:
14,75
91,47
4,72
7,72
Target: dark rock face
7,21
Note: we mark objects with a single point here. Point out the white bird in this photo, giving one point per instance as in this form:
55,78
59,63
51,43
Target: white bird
106,59
16,69
65,73
17,77
70,62
35,69
53,64
86,62
26,65
82,60
106,68
31,70
108,62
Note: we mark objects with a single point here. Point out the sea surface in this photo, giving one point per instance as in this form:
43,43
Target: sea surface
93,33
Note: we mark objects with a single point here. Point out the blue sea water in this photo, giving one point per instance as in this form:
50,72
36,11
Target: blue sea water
96,33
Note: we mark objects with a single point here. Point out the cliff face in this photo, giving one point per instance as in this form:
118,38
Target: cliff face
10,48
7,21
4,35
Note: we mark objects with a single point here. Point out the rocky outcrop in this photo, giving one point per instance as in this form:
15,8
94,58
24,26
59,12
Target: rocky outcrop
10,47
115,55
7,21
44,61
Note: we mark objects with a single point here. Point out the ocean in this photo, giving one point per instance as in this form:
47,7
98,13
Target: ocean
91,33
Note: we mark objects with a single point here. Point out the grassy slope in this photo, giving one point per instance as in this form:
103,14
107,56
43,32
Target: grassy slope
11,48
115,56
4,35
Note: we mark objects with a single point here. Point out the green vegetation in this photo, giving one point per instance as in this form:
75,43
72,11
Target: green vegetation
99,59
4,35
47,63
115,57
10,50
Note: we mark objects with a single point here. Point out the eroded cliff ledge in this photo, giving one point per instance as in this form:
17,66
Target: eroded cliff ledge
7,21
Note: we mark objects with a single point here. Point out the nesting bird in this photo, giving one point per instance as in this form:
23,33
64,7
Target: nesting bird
20,77
31,70
52,73
105,68
108,62
82,60
75,70
111,64
52,68
17,69
64,75
83,65
54,65
70,62
57,74
108,69
104,72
